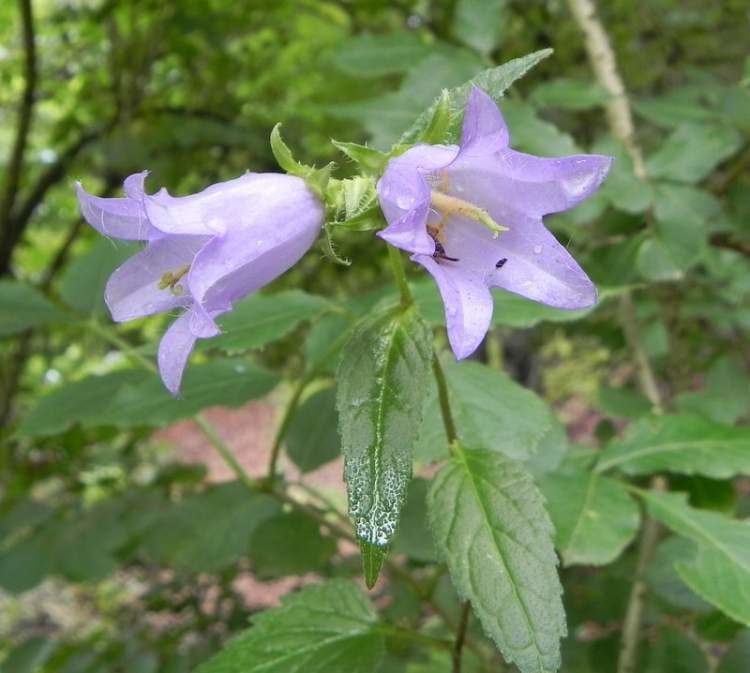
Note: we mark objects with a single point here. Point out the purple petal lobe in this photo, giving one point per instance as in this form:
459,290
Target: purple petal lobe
174,350
267,239
484,130
467,301
122,218
133,289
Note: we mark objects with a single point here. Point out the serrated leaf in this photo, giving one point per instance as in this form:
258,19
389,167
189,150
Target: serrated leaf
263,318
480,23
381,382
354,204
489,409
23,306
367,158
208,531
684,444
692,151
594,516
490,526
720,571
328,628
495,81
312,439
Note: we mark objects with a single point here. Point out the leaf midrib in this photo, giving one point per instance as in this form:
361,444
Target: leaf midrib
665,447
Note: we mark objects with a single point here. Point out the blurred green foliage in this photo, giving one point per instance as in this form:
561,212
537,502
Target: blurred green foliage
114,556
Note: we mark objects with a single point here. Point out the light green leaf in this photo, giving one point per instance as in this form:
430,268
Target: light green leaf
682,443
491,528
594,517
495,81
82,285
479,24
208,531
381,381
720,572
370,160
23,306
263,318
376,55
490,410
570,94
312,439
353,204
327,628
692,151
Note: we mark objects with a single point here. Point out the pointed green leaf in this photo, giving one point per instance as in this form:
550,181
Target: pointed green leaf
480,24
490,525
368,159
327,628
495,81
312,439
437,128
595,518
720,571
381,382
376,55
684,444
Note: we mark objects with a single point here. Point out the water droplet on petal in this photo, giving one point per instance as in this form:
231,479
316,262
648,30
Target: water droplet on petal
537,249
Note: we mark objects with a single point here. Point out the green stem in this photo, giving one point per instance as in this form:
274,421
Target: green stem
458,644
397,266
444,400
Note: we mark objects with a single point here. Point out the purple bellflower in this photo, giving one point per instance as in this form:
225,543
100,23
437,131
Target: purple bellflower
472,216
203,252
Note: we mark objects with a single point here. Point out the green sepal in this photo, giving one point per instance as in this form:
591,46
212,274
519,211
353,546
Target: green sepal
316,178
437,128
373,557
352,203
370,160
329,250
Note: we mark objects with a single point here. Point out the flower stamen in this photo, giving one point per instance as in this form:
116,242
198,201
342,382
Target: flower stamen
452,205
171,278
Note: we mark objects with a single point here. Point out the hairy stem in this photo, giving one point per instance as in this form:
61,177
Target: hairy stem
458,643
620,117
397,267
444,400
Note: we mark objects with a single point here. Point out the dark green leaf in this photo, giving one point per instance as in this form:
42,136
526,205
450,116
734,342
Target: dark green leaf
328,628
490,410
480,23
684,444
569,94
491,528
208,531
312,439
594,517
263,318
23,307
720,571
381,384
376,55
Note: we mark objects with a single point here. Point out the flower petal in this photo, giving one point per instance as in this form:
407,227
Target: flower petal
133,289
467,301
122,218
539,268
404,196
263,244
174,350
225,205
484,130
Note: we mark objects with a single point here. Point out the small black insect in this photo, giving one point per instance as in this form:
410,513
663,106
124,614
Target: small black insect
439,249
500,263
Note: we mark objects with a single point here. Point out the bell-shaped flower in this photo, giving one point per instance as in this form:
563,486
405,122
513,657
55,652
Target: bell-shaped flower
203,252
472,216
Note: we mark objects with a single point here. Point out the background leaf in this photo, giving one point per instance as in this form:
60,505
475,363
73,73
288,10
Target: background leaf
22,307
